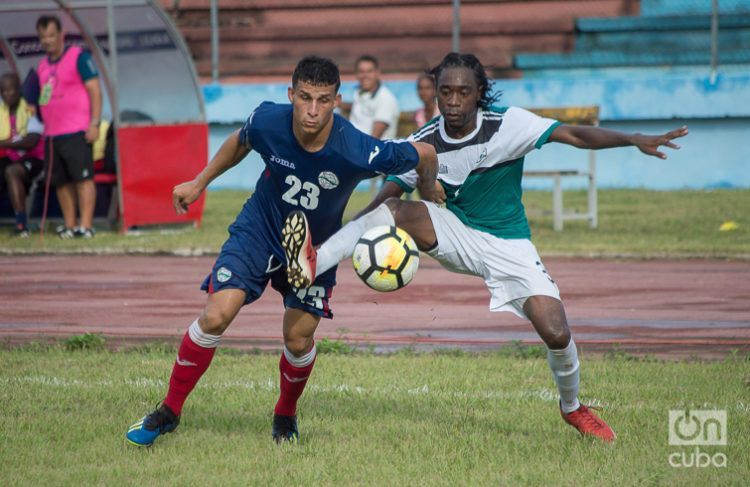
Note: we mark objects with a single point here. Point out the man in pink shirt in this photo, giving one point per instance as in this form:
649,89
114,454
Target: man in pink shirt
21,147
71,105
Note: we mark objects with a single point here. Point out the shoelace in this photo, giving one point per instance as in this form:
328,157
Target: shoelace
157,419
589,418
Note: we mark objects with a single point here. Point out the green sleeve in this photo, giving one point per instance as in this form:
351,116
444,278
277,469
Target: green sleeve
543,138
402,184
86,66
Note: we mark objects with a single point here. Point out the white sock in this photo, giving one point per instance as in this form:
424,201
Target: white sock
202,339
341,244
302,361
564,365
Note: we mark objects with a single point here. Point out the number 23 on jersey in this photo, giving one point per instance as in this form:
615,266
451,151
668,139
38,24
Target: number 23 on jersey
301,194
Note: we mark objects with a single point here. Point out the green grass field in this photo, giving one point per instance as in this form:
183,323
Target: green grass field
403,419
439,418
634,223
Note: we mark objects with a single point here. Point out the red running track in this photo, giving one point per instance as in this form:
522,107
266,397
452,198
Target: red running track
666,307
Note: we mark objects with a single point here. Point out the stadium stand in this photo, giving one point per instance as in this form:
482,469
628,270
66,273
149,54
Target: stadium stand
666,34
265,38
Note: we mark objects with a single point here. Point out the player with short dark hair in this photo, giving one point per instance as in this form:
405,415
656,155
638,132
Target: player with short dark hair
367,58
70,103
374,109
313,161
482,229
314,71
45,20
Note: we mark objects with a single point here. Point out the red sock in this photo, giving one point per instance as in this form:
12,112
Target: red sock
293,381
192,361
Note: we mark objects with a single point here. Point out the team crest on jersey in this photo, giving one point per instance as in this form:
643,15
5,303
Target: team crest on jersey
482,156
328,180
223,274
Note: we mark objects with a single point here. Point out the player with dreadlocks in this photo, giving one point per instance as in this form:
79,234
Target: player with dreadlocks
482,228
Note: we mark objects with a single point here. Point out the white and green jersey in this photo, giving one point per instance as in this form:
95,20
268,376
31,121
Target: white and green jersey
481,173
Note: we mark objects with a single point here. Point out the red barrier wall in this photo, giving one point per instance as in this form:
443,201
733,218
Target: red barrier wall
153,159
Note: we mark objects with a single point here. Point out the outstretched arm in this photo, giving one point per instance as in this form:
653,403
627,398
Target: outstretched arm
429,188
230,153
599,138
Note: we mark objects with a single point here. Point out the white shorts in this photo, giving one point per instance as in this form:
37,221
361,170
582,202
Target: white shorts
511,268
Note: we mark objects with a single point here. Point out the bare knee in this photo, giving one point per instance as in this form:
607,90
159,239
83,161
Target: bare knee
557,338
548,317
214,320
414,218
13,172
299,330
554,332
298,345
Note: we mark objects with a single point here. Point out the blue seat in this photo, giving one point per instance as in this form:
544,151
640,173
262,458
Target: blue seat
691,7
678,40
668,23
602,59
657,40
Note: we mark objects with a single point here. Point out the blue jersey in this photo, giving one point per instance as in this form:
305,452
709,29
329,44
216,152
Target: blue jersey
318,183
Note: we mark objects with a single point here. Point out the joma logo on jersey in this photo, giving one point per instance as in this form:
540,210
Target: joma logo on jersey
282,162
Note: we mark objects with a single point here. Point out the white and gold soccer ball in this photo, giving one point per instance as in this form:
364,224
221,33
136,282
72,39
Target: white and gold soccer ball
385,258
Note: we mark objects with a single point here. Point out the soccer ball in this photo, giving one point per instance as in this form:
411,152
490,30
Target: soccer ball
385,258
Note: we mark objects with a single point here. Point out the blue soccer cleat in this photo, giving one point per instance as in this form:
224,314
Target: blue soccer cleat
285,429
145,431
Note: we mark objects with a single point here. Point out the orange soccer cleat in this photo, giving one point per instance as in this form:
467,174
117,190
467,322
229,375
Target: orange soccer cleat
588,423
301,257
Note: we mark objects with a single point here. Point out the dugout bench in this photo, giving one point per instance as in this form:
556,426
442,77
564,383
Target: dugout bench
105,179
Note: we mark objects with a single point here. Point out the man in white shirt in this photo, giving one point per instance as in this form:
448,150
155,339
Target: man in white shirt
375,109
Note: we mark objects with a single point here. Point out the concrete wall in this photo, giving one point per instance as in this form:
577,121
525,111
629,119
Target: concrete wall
715,154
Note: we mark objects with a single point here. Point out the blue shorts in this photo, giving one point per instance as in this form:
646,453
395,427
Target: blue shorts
248,261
